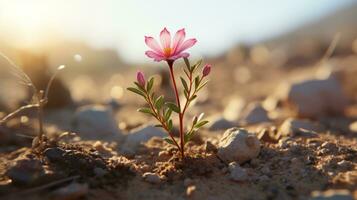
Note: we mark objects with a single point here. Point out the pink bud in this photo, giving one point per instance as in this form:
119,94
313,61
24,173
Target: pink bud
140,78
206,70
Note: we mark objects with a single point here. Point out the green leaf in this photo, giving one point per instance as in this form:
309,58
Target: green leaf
136,91
173,107
168,140
169,125
201,86
194,120
197,82
184,83
146,110
159,126
187,62
201,123
193,97
150,84
187,73
188,136
159,102
140,87
168,114
195,66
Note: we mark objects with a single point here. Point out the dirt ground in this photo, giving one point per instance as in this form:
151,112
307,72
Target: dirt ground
287,167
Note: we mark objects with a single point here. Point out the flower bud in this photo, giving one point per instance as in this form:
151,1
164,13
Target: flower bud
206,70
140,78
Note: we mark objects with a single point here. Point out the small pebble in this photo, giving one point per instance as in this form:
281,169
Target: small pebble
151,178
190,190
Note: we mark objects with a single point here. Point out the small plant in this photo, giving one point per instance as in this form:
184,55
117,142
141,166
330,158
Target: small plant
39,100
192,83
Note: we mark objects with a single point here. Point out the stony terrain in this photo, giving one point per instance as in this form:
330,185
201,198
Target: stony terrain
277,131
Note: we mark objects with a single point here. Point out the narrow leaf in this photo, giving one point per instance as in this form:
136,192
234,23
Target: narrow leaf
170,125
201,123
159,102
150,84
137,91
168,114
197,82
184,83
159,126
202,85
168,140
193,97
145,110
173,107
187,62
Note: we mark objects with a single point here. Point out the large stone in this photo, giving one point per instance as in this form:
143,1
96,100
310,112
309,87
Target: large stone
220,123
317,97
254,113
299,127
238,145
140,135
96,122
237,173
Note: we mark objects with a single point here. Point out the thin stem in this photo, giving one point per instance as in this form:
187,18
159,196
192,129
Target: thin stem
157,116
22,108
41,103
170,63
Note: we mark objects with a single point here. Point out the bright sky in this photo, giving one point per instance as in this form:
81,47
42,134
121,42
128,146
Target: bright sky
122,24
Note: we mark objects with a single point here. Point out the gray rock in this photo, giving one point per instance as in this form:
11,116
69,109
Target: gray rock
140,135
254,114
238,145
25,171
96,122
297,127
237,173
331,195
220,123
151,178
54,154
317,98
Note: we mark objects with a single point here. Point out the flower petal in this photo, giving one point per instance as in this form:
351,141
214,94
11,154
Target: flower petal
187,44
157,57
181,55
165,38
178,39
151,42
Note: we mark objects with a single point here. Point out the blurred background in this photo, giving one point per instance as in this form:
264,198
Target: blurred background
102,42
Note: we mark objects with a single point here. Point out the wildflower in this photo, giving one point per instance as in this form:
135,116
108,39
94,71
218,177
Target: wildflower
169,51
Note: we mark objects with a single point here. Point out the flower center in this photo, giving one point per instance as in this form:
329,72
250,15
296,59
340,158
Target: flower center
167,52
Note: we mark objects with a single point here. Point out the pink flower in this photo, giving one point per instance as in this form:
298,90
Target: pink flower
169,51
206,70
140,78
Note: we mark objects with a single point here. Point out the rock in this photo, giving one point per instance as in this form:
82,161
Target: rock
238,145
25,171
237,173
234,109
100,172
297,127
332,195
220,123
54,154
151,178
72,191
254,114
140,135
96,122
317,97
